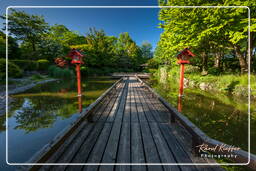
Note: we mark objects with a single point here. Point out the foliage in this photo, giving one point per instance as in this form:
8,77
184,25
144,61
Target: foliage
26,65
37,77
61,73
25,27
13,49
13,70
146,50
210,32
43,64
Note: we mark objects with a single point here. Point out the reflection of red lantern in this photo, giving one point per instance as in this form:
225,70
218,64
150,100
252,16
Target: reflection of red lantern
183,58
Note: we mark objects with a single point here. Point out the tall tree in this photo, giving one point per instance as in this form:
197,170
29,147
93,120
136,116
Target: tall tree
146,49
26,27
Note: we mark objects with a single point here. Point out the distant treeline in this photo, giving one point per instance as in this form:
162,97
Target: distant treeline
32,38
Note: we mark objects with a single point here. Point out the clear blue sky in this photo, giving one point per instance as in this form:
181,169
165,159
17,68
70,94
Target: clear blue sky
140,23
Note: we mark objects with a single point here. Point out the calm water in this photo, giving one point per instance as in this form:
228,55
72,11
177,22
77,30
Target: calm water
39,114
220,116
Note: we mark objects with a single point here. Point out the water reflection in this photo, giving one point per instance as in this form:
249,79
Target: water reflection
80,105
31,117
222,117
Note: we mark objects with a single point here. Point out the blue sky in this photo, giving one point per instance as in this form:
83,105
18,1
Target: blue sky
141,23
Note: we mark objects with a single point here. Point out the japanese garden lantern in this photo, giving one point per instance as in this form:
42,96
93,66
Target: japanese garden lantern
76,56
183,58
77,60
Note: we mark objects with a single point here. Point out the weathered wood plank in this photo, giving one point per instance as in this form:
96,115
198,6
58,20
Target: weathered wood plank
99,148
151,153
134,114
124,149
165,154
127,112
139,108
149,116
81,151
137,151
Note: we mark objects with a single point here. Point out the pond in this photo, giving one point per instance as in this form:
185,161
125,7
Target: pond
37,115
221,116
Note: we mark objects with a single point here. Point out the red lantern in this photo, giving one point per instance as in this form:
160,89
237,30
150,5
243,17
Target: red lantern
183,58
77,60
76,56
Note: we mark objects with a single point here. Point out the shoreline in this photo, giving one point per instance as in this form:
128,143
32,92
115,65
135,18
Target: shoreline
18,90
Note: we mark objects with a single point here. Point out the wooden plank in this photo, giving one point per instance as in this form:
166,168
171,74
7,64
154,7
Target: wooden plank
79,150
111,116
146,110
138,105
127,112
180,155
99,148
166,155
134,114
50,148
124,149
55,156
151,153
78,133
137,151
110,154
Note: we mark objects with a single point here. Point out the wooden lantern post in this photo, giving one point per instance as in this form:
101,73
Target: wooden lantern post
77,60
183,58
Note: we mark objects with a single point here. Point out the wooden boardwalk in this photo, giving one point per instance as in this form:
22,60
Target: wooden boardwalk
128,126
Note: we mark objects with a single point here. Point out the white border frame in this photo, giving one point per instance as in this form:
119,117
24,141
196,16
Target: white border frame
249,93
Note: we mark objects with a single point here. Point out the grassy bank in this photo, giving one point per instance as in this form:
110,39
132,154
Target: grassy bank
225,83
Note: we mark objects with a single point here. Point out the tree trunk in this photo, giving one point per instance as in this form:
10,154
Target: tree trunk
217,60
204,63
241,58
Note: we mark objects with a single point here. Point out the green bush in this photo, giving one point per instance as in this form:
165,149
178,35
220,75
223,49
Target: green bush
62,73
214,71
26,65
13,70
43,64
36,77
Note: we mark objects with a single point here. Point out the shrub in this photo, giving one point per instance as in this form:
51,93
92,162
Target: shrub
214,71
13,70
36,77
63,73
43,64
190,69
26,65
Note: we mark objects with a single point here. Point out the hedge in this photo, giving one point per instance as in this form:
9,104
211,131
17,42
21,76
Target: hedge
14,71
29,65
26,65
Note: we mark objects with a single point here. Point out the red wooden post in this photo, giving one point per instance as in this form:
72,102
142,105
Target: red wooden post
77,60
179,104
183,58
182,68
78,75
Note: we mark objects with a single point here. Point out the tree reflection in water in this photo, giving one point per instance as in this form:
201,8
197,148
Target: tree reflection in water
31,117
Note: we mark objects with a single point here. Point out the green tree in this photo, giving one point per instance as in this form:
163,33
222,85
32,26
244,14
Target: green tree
13,47
146,49
211,32
26,27
129,52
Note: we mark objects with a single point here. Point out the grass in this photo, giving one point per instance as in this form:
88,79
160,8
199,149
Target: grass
227,83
